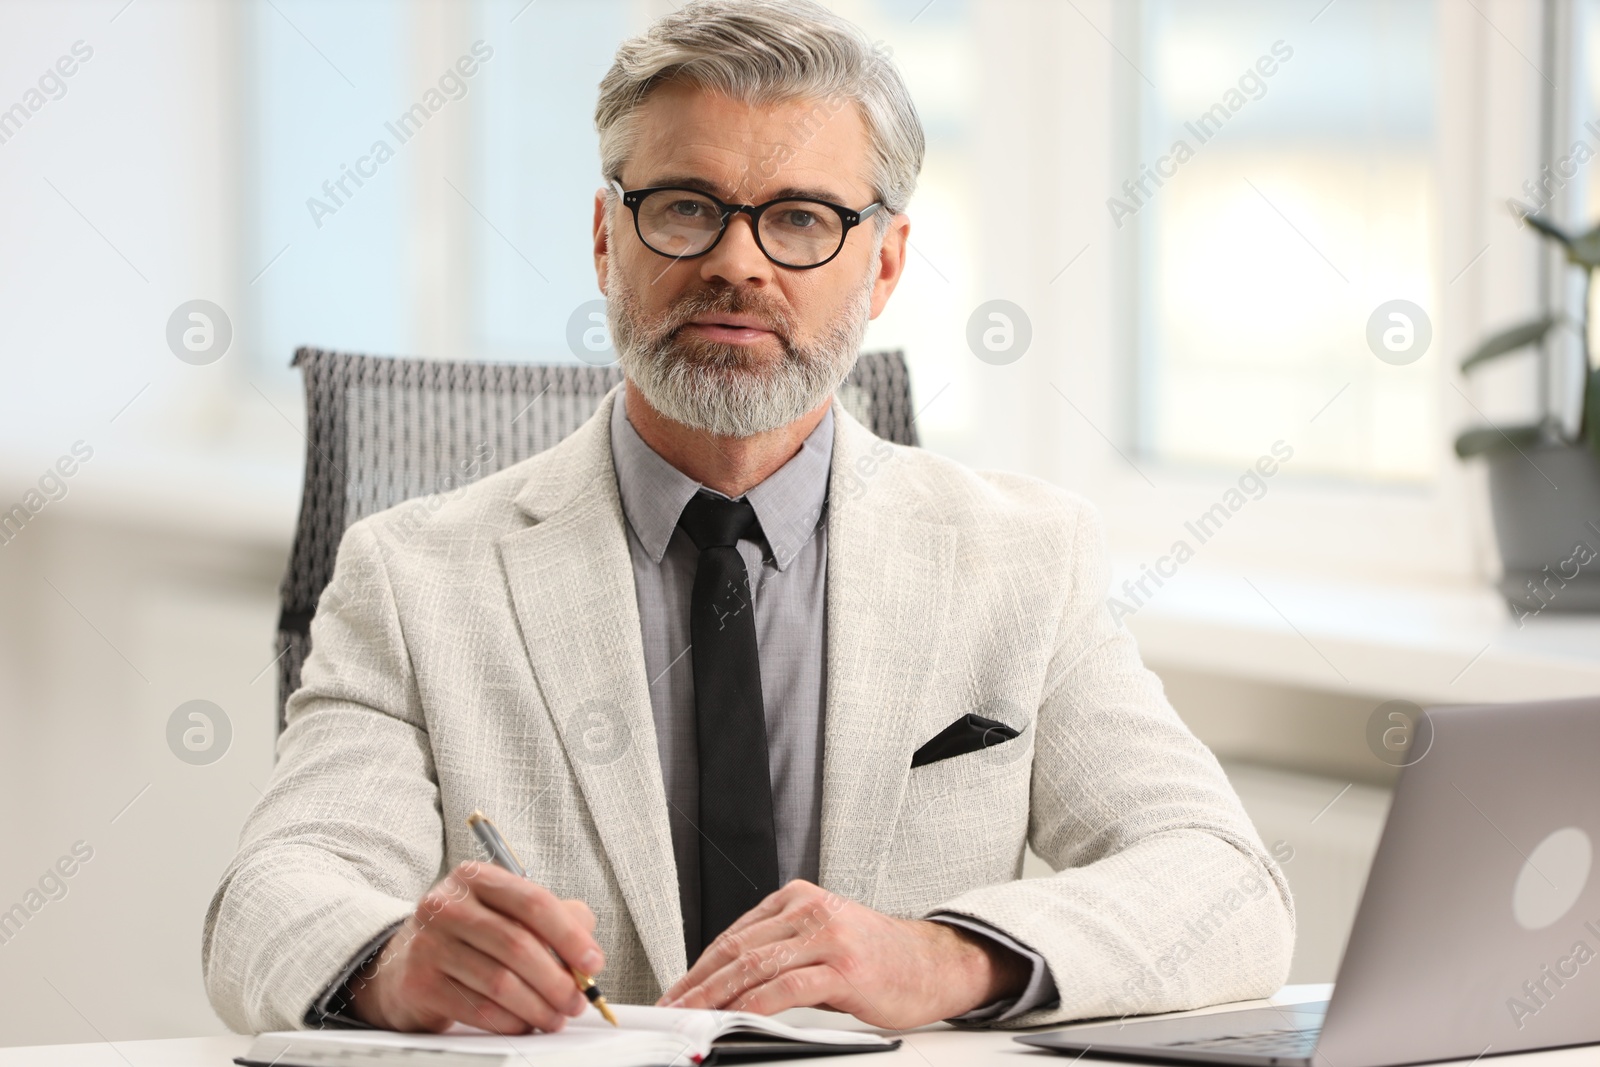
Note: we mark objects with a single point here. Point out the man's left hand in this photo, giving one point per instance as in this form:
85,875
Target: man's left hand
806,947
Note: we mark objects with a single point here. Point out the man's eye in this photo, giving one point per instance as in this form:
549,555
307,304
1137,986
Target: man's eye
688,209
799,219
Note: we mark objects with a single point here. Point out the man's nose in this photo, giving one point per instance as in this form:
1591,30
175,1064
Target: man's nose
737,257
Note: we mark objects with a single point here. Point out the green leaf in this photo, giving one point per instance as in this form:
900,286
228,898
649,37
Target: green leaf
1584,250
1507,341
1546,227
1484,439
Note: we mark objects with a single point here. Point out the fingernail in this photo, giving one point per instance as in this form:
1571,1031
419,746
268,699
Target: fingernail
592,960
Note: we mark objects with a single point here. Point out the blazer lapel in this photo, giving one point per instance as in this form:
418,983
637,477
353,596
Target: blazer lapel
571,581
888,589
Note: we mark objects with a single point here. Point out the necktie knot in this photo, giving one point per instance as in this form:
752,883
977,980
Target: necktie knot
716,522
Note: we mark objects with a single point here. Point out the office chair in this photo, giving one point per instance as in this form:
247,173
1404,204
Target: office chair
380,431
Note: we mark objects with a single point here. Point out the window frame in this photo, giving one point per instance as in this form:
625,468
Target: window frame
1489,103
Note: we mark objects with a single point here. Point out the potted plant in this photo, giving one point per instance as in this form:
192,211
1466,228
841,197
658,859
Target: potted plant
1544,481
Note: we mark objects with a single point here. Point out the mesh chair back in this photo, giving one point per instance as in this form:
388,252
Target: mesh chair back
380,431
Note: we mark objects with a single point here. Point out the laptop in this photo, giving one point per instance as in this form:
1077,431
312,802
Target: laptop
1478,931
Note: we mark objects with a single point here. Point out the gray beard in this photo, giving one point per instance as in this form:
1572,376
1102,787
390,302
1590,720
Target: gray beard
720,388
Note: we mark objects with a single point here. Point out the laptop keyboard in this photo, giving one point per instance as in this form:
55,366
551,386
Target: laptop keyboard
1288,1043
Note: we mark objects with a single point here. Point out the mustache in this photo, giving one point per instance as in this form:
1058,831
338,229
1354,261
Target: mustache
731,302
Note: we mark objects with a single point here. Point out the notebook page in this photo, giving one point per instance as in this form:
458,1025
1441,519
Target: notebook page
699,1027
580,1046
647,1035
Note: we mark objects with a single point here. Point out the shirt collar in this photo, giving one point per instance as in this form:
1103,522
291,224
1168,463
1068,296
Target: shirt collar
788,503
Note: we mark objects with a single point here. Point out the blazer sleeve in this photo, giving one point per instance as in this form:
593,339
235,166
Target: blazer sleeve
1164,897
347,836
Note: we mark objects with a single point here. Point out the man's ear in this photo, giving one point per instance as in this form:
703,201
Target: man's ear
891,264
602,251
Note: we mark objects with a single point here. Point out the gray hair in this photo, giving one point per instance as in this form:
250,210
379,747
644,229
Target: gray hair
763,52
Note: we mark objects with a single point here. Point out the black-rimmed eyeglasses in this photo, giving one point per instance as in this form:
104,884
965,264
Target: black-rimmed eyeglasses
685,223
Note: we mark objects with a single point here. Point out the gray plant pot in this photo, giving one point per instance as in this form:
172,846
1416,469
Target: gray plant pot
1549,534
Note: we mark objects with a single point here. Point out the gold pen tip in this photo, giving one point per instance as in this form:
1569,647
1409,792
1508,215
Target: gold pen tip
605,1011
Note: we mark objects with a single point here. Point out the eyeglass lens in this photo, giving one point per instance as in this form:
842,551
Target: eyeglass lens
799,233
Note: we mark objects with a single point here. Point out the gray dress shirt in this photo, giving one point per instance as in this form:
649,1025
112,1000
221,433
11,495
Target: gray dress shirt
788,573
787,564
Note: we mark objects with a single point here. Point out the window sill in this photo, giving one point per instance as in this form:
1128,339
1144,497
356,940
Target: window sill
1431,644
226,495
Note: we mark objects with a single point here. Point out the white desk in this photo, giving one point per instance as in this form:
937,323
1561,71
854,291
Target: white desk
932,1046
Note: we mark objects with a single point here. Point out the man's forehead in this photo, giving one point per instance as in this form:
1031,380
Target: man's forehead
735,150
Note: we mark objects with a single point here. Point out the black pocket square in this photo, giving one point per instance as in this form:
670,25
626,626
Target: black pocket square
967,734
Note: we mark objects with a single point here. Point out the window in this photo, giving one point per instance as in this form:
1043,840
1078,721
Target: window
535,169
1281,187
1175,339
1568,189
327,78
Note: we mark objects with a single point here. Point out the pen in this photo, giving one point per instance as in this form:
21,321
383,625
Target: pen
501,854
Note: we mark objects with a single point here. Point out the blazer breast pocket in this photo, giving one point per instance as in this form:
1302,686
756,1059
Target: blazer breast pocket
969,733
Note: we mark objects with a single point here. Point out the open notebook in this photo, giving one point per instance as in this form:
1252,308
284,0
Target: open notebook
648,1037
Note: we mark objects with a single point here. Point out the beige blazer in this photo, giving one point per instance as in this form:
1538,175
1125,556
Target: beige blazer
481,649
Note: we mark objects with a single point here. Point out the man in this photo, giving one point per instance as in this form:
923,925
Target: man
745,687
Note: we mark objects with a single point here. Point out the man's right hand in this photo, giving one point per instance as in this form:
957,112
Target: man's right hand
477,950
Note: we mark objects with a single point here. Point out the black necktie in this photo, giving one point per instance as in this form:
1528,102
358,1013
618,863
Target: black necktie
738,848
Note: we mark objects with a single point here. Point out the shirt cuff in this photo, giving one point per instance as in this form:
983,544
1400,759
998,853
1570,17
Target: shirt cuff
332,1008
1039,992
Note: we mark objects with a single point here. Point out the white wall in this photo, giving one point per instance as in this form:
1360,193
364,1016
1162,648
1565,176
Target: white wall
152,582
